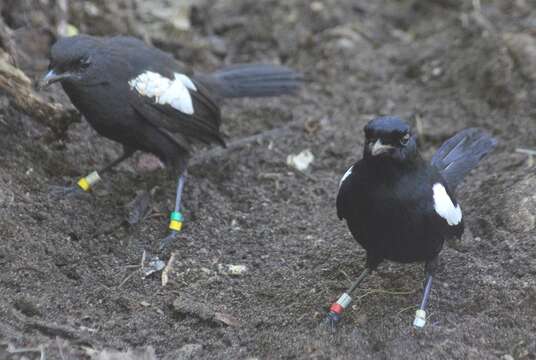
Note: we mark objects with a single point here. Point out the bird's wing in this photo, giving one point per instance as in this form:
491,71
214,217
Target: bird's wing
445,212
176,104
461,153
445,205
162,94
345,190
340,204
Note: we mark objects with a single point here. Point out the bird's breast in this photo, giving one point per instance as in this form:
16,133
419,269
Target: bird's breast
394,220
106,108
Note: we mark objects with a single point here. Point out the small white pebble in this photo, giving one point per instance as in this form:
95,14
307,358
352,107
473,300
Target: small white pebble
301,161
232,270
437,71
317,6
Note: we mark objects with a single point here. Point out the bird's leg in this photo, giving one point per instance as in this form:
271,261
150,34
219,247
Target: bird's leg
420,315
176,218
85,184
337,308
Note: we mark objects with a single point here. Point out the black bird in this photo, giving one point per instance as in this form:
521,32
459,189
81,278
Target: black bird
400,207
140,97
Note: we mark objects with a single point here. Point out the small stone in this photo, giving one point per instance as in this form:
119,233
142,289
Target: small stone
301,161
317,6
437,71
232,270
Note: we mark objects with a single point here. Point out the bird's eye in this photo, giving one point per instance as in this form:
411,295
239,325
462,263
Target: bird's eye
404,140
84,62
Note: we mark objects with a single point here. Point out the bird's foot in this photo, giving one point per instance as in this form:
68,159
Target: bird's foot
139,208
65,191
168,240
331,320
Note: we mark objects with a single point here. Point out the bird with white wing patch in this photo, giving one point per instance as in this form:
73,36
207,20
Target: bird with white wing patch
139,96
400,207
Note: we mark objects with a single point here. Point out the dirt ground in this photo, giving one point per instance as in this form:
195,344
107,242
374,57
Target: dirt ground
69,276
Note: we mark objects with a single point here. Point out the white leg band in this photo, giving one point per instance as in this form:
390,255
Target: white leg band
420,318
344,300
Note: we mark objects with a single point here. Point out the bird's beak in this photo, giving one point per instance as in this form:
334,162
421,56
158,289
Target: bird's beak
379,148
52,77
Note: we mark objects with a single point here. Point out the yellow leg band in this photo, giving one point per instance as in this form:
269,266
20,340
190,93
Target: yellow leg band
175,225
84,184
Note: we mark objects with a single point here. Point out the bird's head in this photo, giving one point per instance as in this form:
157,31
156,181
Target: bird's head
72,61
389,137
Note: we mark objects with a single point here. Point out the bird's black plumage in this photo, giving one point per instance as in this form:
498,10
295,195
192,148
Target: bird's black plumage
140,97
400,207
97,75
387,199
461,153
389,209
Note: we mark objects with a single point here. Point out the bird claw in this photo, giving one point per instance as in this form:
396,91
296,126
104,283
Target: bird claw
331,320
165,242
65,191
139,208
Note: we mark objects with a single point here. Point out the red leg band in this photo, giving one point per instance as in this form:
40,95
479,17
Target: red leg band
336,308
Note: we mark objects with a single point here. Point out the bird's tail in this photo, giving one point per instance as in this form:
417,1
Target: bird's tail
253,80
461,153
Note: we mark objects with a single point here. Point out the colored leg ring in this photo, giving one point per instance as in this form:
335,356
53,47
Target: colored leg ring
85,183
176,220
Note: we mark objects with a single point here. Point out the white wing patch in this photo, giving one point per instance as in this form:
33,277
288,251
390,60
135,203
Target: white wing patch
444,206
186,81
166,91
346,174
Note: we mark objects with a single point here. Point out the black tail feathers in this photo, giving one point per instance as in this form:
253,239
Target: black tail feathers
461,153
253,80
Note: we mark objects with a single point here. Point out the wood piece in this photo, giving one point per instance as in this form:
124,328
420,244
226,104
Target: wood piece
18,87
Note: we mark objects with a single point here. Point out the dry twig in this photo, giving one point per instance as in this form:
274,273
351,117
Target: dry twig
217,152
137,268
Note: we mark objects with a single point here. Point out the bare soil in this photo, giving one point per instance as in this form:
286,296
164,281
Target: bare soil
444,65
